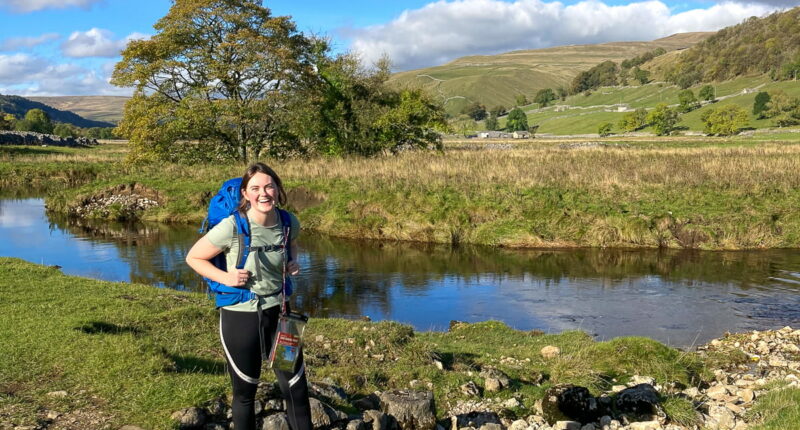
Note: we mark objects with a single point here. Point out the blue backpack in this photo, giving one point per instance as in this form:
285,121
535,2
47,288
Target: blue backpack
223,205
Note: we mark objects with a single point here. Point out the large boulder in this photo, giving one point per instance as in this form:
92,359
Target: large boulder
413,410
323,415
569,403
639,402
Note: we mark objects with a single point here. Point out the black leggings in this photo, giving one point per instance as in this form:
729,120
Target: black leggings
240,341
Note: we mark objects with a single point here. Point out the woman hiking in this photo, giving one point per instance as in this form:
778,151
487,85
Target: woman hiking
247,328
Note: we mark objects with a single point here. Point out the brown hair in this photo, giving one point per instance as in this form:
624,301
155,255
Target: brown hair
260,168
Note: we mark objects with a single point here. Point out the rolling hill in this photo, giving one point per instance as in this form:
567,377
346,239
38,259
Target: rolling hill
97,108
497,79
18,106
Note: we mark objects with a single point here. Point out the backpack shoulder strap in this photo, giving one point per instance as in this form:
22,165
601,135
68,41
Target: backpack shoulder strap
242,236
286,225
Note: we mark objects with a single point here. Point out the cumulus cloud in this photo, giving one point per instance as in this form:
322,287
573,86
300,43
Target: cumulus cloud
16,43
25,6
96,42
30,75
442,31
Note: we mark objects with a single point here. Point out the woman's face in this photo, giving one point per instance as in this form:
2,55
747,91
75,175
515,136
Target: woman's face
261,192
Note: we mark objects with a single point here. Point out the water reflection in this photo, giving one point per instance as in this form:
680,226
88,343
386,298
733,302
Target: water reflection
679,297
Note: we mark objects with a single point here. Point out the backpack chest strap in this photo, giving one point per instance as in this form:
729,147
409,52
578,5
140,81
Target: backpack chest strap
261,249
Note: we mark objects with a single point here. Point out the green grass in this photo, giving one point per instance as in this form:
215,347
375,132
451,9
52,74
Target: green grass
134,353
777,410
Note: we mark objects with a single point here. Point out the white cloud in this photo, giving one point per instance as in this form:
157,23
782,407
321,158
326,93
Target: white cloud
442,31
24,6
16,43
96,42
28,75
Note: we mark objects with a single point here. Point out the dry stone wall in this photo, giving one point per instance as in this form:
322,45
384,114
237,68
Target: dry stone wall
38,139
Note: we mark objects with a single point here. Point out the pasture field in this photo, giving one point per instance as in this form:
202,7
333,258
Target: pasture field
677,192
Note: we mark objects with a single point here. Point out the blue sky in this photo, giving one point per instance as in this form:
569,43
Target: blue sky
69,47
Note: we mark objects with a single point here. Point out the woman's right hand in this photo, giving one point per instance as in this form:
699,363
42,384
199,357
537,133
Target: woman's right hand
237,278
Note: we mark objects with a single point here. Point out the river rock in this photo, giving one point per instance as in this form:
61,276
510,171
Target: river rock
640,400
378,420
276,422
477,419
369,402
645,425
413,410
329,391
518,425
720,418
323,415
550,351
567,425
190,418
470,389
357,425
718,392
569,402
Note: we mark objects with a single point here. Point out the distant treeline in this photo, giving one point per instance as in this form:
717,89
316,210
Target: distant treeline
756,46
608,73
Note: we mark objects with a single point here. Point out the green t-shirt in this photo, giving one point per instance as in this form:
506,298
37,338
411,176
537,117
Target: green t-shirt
222,236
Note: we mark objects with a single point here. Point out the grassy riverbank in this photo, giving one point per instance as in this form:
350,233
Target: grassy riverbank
133,354
687,192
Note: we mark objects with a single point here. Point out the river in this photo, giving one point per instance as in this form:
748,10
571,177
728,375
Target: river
681,298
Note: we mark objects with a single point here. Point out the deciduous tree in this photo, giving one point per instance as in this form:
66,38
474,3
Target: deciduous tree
544,97
724,121
687,101
517,120
662,119
214,78
760,104
706,93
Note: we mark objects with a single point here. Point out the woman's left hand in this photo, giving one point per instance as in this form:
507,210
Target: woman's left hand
293,268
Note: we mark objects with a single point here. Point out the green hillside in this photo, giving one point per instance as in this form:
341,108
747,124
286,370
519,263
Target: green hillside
769,45
497,79
580,114
18,106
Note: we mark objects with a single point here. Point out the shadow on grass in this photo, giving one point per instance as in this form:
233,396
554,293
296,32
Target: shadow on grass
99,327
193,364
457,360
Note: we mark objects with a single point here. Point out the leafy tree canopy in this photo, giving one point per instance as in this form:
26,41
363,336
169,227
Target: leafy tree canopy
724,121
662,119
517,120
544,97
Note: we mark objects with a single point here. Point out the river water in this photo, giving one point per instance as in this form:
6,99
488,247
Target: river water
678,297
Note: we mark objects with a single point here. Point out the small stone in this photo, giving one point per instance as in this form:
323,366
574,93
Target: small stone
190,417
605,420
518,425
778,362
636,380
439,365
645,425
357,425
567,425
717,392
722,416
492,384
747,395
618,388
470,389
511,403
57,394
691,392
734,408
549,352
276,422
52,415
